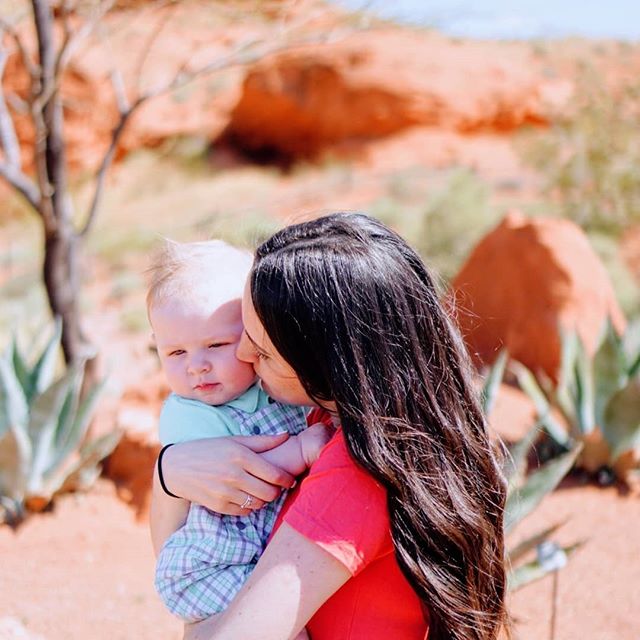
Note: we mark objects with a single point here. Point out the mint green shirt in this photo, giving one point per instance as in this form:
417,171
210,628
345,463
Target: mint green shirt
182,419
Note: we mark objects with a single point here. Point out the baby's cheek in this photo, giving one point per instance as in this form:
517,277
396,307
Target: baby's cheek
240,369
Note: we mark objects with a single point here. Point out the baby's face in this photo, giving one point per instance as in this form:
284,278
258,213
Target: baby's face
197,349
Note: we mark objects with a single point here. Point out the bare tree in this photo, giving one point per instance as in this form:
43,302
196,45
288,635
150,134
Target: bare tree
47,192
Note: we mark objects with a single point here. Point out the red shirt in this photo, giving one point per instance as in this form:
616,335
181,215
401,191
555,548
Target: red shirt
344,510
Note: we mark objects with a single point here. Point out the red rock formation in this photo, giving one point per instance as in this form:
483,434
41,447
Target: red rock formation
375,83
524,280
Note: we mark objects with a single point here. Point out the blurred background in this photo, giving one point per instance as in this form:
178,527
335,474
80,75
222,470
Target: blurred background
502,141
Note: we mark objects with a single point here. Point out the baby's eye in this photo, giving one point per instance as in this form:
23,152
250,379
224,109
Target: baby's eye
215,345
177,352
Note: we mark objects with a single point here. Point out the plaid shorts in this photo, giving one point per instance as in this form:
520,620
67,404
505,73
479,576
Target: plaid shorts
203,565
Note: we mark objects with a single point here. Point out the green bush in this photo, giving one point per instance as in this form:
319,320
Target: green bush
591,154
43,425
445,228
598,397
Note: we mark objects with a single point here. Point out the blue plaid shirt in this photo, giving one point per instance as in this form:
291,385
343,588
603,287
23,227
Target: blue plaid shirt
203,565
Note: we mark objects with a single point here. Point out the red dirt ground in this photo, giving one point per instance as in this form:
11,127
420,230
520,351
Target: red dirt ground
84,571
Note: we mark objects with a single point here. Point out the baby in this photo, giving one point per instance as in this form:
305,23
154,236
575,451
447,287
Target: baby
194,306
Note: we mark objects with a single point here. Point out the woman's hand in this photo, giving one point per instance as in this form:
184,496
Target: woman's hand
219,473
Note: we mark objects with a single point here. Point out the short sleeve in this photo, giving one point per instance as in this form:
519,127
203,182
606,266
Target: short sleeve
182,420
343,509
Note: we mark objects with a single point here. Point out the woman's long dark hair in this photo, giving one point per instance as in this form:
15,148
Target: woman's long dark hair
353,309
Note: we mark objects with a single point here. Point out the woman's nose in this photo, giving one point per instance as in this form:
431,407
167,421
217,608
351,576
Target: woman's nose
245,350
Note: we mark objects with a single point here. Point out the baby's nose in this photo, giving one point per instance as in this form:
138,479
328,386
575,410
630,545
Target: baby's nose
199,365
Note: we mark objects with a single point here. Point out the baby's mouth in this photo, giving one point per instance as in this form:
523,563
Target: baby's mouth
206,386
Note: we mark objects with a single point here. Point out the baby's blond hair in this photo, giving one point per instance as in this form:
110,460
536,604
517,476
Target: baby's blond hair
210,272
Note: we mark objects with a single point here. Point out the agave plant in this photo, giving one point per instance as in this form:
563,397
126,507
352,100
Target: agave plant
599,398
43,424
526,492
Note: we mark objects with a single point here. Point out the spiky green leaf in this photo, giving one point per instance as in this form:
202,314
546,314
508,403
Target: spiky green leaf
566,381
634,367
631,346
532,571
609,369
15,462
529,544
88,468
523,500
515,462
80,475
43,423
68,434
44,369
621,425
493,380
77,421
14,409
530,386
20,367
584,398
88,405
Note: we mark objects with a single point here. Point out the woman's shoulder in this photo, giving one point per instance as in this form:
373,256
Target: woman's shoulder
341,507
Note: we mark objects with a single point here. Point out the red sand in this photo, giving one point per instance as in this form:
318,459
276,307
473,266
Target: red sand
85,571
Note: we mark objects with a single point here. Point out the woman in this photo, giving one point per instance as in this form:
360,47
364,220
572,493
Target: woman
340,313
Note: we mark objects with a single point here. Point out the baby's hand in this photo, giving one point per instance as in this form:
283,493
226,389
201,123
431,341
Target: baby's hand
313,439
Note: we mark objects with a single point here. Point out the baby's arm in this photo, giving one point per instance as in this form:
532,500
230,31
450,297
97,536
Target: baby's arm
167,514
298,452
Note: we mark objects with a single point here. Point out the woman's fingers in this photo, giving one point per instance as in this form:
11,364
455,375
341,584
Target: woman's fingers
261,469
219,472
261,443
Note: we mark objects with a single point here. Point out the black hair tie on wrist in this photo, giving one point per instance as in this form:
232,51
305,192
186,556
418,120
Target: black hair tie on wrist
160,476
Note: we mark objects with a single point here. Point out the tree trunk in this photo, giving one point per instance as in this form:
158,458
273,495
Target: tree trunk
60,274
61,242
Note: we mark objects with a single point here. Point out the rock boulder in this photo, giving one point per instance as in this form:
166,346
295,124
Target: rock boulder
376,83
523,281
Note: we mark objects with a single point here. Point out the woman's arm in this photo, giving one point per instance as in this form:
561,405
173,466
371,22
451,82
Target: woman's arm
293,578
218,473
166,515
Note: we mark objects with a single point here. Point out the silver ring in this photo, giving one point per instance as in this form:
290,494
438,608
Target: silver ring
247,503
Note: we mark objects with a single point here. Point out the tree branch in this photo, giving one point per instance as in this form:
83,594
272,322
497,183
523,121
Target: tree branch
73,38
242,55
8,137
10,169
153,36
31,67
21,183
104,167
